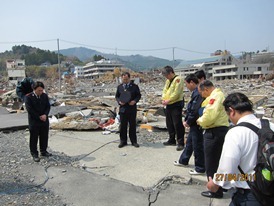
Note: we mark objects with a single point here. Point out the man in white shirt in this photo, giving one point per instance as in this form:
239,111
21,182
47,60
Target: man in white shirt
239,149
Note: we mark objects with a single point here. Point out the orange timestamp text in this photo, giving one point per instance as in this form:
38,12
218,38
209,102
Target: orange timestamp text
235,177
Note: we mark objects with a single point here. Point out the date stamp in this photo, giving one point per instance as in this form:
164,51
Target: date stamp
235,177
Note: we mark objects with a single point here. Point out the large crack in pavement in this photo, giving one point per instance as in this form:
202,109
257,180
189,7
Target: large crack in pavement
163,184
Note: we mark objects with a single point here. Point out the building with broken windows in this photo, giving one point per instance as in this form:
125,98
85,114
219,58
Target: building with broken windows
241,71
16,69
79,72
94,70
222,65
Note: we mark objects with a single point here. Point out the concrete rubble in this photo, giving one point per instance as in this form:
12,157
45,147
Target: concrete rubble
87,105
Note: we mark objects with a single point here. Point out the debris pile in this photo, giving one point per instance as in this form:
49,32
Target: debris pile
84,104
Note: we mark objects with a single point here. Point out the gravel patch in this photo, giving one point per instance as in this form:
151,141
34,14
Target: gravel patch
19,188
146,136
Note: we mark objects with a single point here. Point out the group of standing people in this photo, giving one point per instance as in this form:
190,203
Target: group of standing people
205,117
217,150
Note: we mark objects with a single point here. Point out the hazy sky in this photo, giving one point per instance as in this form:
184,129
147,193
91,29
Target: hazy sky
195,28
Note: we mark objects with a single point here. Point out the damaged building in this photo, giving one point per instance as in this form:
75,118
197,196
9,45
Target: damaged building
95,70
16,69
223,65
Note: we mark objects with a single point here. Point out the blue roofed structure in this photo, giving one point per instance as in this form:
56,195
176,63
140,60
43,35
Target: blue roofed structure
188,63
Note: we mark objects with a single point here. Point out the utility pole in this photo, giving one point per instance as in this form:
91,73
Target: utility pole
173,48
59,70
116,58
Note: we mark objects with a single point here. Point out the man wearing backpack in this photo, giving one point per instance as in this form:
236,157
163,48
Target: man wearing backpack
239,150
24,88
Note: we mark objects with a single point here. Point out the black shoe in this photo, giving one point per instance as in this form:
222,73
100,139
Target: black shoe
46,154
135,144
168,143
36,158
212,194
180,147
122,145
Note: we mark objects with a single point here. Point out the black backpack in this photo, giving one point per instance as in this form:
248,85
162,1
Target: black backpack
24,87
263,185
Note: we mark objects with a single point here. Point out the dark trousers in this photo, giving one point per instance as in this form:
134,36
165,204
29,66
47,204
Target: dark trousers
125,118
175,125
41,132
213,144
243,198
194,143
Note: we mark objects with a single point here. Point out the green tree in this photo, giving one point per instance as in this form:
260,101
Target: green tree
98,57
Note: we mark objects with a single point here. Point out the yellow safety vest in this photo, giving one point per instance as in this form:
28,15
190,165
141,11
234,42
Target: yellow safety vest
174,91
214,114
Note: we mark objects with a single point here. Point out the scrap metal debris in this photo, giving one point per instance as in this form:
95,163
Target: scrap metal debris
86,105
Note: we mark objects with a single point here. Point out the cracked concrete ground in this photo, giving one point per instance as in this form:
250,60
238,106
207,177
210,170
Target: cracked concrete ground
87,168
107,175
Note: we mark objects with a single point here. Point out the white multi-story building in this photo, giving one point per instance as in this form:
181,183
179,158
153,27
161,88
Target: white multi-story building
94,70
223,66
207,64
79,72
241,71
16,69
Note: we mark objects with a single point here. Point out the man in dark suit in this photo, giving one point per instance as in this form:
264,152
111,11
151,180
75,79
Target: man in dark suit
38,107
127,95
195,139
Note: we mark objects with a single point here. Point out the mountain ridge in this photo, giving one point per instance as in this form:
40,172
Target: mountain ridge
134,62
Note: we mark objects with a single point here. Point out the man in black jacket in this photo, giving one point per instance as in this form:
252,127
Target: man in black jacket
195,136
24,87
38,107
127,95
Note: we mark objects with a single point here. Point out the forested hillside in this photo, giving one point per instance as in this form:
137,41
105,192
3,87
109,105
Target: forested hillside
32,56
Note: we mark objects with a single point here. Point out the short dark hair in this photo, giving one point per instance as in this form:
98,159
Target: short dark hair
200,74
205,84
126,74
191,77
239,102
38,84
167,70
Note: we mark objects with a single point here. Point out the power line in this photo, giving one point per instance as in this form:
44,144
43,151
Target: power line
26,42
188,50
115,49
90,46
146,49
140,50
107,48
